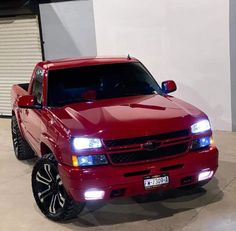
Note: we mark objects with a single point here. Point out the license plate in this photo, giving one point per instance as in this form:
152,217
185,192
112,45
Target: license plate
155,181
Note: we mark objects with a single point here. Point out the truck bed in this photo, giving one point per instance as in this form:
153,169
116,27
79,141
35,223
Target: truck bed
24,86
17,91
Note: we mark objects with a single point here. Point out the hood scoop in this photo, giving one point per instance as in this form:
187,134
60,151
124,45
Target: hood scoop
153,107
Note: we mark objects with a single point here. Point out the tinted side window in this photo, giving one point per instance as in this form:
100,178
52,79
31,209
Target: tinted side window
37,87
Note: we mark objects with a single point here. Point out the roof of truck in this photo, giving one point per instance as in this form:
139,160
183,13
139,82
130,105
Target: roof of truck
83,61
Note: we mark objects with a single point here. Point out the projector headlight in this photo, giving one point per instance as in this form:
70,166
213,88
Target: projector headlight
203,142
89,160
80,143
201,126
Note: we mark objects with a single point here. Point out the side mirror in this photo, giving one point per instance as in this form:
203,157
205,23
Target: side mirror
168,86
28,101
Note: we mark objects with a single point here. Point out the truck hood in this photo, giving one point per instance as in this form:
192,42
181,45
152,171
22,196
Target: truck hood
127,117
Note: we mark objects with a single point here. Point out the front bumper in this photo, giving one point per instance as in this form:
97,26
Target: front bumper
129,180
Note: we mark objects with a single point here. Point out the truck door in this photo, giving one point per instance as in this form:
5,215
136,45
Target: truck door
32,117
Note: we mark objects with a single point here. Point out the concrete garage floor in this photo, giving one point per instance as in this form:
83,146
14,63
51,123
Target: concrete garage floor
210,208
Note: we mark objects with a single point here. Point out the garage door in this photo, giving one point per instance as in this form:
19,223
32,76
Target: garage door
20,49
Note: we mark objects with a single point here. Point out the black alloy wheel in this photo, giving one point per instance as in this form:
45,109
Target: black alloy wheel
49,191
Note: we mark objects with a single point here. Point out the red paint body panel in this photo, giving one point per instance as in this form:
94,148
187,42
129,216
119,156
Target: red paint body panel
111,119
108,178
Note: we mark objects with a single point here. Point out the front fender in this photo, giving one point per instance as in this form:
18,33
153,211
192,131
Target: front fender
49,144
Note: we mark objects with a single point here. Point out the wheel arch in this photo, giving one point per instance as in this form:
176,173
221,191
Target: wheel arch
46,148
18,121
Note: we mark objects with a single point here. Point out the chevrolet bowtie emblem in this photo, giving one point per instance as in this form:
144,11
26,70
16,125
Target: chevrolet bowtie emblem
151,145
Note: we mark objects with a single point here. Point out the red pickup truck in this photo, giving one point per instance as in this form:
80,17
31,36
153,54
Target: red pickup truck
103,128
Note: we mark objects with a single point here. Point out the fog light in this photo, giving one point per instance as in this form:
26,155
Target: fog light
94,194
205,175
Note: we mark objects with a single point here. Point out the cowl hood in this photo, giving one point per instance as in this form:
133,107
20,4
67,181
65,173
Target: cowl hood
127,117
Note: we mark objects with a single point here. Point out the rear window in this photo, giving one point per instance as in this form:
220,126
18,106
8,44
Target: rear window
97,82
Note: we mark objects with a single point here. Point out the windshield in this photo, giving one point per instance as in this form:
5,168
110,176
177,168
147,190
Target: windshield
99,82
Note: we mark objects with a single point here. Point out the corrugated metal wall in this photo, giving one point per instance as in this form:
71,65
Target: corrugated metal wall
20,50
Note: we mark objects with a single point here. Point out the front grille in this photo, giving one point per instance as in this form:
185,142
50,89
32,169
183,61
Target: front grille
140,140
137,156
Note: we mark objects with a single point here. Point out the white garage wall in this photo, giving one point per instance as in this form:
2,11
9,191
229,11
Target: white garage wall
68,29
233,60
187,41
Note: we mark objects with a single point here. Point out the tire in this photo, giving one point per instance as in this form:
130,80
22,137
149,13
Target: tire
49,193
21,148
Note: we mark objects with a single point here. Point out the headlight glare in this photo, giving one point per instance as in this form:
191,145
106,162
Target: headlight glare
80,143
201,126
